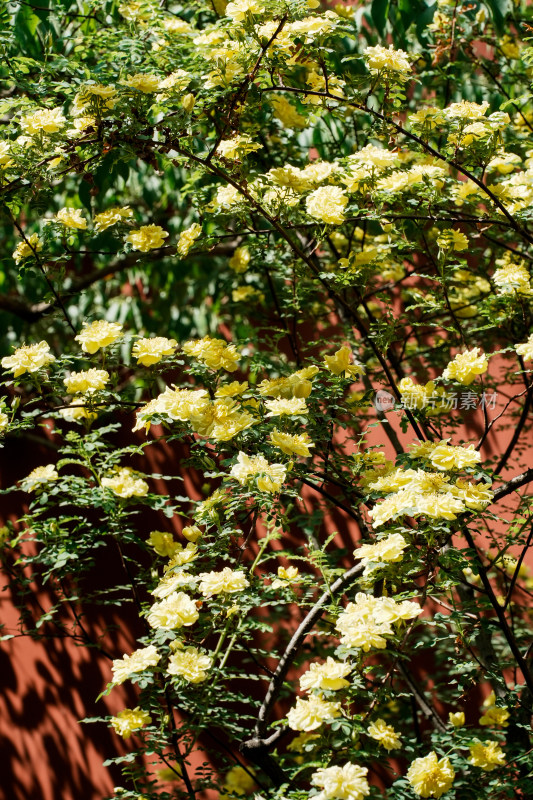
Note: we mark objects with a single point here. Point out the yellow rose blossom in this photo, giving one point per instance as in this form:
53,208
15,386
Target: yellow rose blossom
298,444
366,622
389,549
232,389
466,366
110,217
457,718
227,581
287,113
173,581
384,734
282,407
340,363
286,576
299,384
44,120
28,248
148,237
308,715
182,555
246,293
329,676
268,477
163,543
76,411
240,260
126,483
451,239
39,477
71,218
525,349
178,610
188,238
487,756
495,716
98,334
240,9
151,351
237,147
190,664
238,781
513,278
342,783
214,353
28,358
327,204
142,82
130,720
380,59
176,26
92,380
192,533
466,109
138,661
431,777
4,421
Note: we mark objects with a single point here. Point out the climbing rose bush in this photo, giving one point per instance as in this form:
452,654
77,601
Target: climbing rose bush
290,245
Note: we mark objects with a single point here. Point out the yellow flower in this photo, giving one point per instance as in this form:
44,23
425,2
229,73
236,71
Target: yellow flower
237,147
71,218
384,734
457,718
246,293
138,661
268,477
98,334
172,581
175,611
28,358
389,549
466,109
192,533
327,204
329,676
526,349
227,581
446,457
381,59
292,444
283,407
190,664
182,555
310,714
125,483
96,92
110,217
451,239
142,82
365,623
176,26
509,47
45,120
77,410
240,9
188,238
148,237
238,781
287,114
4,421
430,777
495,716
299,384
240,259
221,420
130,720
342,783
231,389
487,756
214,353
466,366
24,250
178,404
38,477
285,577
340,364
513,278
151,351
163,543
93,380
